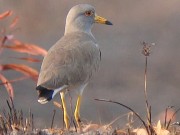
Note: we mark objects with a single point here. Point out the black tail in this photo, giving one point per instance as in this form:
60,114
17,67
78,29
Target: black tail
44,94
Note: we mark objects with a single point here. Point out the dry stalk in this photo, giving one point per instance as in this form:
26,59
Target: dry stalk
117,118
52,122
165,117
15,80
3,125
146,52
32,122
145,125
13,119
172,118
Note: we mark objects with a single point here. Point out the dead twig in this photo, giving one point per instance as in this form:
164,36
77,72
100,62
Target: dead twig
145,125
166,113
172,118
146,52
52,122
15,80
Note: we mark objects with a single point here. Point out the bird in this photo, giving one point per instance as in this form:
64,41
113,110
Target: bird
71,61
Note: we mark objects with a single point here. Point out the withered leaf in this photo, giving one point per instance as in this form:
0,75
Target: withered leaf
29,59
14,22
26,48
5,14
26,70
7,85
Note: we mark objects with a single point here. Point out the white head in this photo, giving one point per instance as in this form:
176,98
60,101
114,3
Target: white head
81,18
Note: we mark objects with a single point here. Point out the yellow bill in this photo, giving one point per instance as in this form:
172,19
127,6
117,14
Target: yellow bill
99,19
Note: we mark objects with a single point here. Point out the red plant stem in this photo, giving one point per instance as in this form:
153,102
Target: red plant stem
15,80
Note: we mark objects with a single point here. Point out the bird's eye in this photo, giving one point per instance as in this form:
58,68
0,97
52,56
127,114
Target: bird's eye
88,13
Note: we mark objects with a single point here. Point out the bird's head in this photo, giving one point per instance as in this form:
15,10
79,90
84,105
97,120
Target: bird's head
82,17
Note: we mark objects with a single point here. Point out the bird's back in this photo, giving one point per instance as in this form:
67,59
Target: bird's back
71,61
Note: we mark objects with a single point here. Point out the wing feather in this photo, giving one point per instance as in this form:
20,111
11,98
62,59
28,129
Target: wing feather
71,60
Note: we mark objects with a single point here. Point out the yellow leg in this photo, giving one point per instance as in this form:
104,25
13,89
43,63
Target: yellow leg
66,117
76,112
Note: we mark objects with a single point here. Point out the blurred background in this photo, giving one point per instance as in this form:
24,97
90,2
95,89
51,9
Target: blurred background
121,75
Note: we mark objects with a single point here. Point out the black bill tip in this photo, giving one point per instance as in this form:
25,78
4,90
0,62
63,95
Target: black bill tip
108,23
